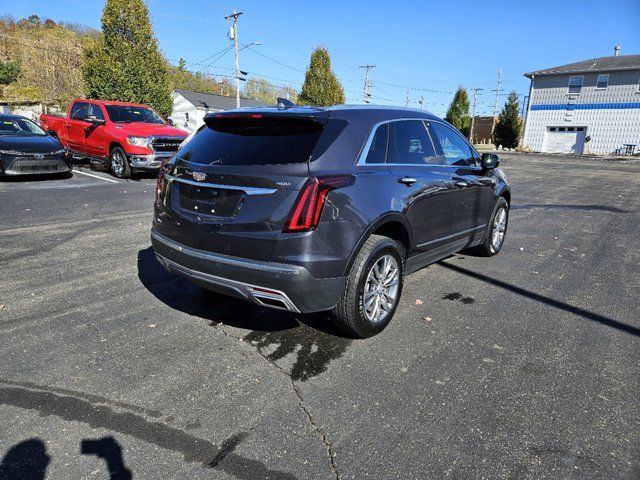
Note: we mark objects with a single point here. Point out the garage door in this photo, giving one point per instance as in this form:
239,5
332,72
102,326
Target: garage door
564,140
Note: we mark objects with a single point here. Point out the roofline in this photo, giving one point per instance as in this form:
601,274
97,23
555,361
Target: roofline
553,71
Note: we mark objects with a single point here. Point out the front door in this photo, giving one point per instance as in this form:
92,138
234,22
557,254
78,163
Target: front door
75,126
424,188
474,190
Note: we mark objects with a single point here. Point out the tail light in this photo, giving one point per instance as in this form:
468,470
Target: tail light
306,212
160,186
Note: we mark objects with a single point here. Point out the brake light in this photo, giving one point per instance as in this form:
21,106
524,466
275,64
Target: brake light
306,212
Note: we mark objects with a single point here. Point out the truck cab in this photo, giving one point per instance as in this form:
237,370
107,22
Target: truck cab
125,137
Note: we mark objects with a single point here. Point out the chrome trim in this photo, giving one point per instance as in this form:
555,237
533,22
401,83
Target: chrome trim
245,290
247,190
225,259
361,162
449,237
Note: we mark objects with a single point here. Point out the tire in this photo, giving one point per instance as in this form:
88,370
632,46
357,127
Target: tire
118,163
489,247
351,315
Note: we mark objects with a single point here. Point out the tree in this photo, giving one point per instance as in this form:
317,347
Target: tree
321,87
125,63
264,91
509,125
458,113
9,71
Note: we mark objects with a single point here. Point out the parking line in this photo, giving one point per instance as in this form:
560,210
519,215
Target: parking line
75,170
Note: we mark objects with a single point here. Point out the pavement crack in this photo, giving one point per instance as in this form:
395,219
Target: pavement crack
298,394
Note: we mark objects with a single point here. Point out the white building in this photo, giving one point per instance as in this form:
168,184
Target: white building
189,108
590,107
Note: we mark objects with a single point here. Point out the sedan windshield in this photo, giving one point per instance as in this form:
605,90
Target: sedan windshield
20,127
125,114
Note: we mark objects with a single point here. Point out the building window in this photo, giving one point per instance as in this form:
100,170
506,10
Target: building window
575,84
603,81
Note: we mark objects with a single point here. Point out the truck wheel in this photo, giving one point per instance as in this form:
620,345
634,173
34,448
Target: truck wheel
373,289
118,163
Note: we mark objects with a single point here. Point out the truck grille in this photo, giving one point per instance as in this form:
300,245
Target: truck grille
48,164
166,144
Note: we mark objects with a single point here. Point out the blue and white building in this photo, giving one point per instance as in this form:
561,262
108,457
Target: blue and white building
590,107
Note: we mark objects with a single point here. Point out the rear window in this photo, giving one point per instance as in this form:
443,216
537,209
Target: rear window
253,140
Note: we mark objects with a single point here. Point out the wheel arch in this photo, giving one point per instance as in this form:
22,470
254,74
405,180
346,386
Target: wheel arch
392,225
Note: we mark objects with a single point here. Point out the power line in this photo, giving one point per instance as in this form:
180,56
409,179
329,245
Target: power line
274,60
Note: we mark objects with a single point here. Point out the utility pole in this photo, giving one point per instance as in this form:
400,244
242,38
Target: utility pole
421,102
367,85
495,106
473,115
234,32
406,102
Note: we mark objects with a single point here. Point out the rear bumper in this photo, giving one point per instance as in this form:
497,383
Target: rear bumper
283,286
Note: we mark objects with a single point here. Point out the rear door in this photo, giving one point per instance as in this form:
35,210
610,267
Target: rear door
473,197
231,188
424,188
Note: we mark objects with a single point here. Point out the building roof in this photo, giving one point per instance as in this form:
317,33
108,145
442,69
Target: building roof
600,64
217,102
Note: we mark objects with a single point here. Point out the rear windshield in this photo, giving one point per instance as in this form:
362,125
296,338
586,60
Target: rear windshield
253,141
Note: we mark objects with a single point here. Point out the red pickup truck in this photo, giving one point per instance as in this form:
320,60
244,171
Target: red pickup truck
127,137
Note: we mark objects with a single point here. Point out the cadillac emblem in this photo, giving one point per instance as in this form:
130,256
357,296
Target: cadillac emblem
199,176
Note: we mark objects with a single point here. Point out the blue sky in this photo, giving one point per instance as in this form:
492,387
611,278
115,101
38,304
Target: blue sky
427,48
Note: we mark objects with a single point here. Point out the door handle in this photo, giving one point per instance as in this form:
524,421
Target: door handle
68,125
462,184
408,181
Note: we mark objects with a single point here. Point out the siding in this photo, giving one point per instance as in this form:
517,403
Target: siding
611,116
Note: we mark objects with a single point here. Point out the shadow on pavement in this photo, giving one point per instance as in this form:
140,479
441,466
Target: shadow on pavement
26,460
109,450
313,338
609,322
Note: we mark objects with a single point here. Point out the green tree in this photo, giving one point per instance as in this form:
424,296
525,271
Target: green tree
458,113
9,71
125,63
321,87
509,125
264,91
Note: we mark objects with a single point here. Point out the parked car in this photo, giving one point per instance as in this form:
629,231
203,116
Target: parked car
127,137
25,149
312,209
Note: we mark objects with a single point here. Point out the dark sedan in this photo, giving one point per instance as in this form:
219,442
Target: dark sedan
25,149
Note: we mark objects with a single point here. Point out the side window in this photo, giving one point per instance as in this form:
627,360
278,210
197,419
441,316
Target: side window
456,150
96,111
410,144
378,147
79,111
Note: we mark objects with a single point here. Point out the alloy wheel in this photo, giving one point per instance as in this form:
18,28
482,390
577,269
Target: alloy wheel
499,229
381,289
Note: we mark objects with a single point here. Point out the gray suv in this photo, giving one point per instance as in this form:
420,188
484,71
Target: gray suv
311,209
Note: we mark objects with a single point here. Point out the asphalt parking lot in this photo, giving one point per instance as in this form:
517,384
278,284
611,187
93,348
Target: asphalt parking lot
522,366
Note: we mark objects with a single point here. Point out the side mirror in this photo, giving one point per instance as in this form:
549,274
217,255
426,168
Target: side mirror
94,120
171,122
490,160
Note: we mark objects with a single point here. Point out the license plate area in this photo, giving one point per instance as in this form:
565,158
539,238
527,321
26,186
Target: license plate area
216,202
